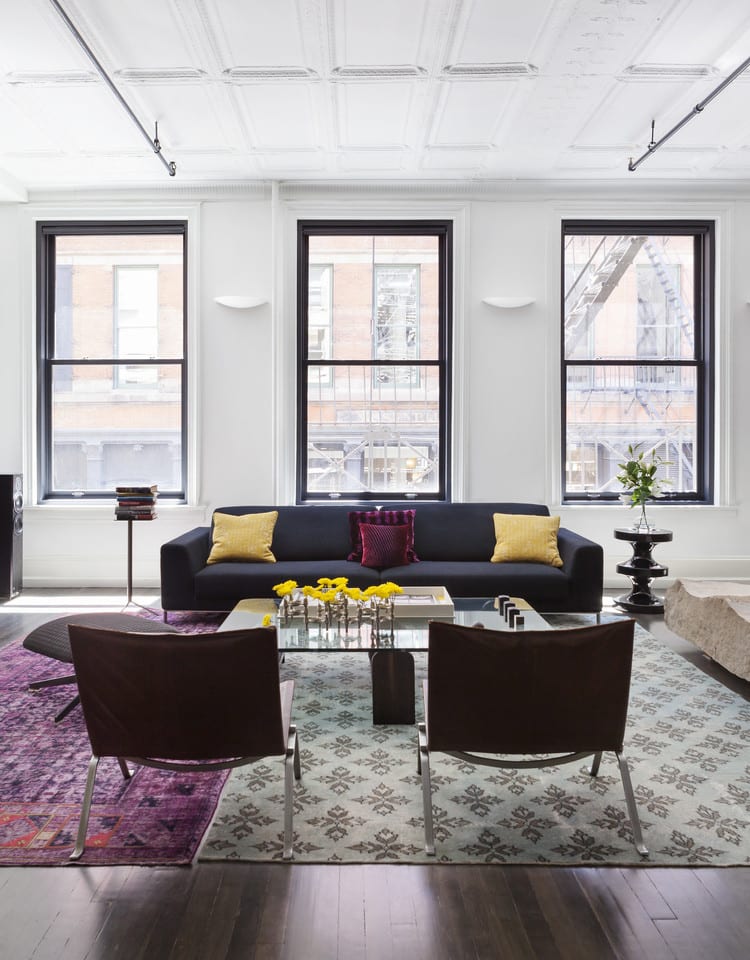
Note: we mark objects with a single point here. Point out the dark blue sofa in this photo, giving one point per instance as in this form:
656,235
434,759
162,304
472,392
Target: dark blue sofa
454,543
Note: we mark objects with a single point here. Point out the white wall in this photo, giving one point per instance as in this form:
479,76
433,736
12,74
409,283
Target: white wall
506,426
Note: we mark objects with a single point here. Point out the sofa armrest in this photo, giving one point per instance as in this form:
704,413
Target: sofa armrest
181,559
583,562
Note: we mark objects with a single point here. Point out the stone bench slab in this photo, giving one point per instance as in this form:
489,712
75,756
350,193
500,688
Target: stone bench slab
715,616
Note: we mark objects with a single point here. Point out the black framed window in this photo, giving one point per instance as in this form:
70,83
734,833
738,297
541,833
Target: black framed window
637,354
112,333
373,385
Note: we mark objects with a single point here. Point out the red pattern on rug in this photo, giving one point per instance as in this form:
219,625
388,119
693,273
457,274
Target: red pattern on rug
157,817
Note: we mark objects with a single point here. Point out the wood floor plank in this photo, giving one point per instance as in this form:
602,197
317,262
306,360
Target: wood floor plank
621,915
246,929
701,926
378,933
351,919
571,920
640,882
49,914
276,905
312,919
493,915
536,925
428,915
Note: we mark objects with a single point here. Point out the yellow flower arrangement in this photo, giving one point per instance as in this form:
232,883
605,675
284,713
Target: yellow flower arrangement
334,595
286,588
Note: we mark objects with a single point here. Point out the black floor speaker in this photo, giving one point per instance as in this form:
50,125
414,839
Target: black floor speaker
11,535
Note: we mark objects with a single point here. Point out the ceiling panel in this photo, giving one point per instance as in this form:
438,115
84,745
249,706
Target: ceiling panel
378,34
373,114
140,33
82,117
469,112
282,115
262,33
698,32
491,32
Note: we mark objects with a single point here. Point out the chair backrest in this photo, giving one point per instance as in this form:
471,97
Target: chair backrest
180,697
534,691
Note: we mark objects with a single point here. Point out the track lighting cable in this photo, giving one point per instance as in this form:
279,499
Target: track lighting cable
655,144
170,165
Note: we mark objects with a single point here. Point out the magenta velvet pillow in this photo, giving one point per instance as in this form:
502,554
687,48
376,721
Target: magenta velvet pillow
384,518
384,546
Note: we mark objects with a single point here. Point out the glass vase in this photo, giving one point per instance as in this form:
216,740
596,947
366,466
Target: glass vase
642,524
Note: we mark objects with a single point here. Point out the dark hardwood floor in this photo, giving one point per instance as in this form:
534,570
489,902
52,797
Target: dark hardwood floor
219,911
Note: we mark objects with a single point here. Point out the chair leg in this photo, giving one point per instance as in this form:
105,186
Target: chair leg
424,764
52,682
297,768
290,772
127,775
67,708
594,768
83,823
635,821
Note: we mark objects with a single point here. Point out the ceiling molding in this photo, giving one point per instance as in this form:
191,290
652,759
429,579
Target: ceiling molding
668,72
179,75
48,79
489,71
264,74
388,72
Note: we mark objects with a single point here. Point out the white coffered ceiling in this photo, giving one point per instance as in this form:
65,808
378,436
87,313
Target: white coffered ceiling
371,89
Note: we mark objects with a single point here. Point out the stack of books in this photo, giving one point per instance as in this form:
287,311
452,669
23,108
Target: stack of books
136,503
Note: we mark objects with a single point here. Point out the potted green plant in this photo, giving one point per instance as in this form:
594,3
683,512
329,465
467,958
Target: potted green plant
638,478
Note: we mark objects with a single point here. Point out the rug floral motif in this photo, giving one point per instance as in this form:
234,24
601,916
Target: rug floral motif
359,800
157,817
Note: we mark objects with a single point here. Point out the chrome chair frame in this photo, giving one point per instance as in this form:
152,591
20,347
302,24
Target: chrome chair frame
423,768
292,772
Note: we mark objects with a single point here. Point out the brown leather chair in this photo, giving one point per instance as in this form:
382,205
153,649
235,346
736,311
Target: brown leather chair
196,702
508,693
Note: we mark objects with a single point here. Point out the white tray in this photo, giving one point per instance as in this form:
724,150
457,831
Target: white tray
423,602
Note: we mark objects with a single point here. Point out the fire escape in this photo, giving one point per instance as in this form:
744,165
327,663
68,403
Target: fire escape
592,286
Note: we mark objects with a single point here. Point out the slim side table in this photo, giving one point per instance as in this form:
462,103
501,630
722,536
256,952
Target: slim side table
130,599
642,569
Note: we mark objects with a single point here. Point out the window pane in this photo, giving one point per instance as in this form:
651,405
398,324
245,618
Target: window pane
629,296
118,296
104,434
378,296
371,434
609,407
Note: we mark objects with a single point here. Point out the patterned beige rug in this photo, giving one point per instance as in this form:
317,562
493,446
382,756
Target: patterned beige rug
359,799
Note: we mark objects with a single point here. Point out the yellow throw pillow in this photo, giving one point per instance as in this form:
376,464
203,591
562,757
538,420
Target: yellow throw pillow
526,539
247,537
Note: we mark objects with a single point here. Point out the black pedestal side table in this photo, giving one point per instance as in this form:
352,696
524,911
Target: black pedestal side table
642,569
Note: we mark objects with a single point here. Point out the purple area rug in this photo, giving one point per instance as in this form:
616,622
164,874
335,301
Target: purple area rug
157,817
205,621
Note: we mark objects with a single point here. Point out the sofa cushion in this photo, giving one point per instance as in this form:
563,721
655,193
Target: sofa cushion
462,531
381,518
312,532
384,546
522,539
222,585
246,538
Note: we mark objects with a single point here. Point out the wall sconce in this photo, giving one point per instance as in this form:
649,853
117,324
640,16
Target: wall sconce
508,303
240,303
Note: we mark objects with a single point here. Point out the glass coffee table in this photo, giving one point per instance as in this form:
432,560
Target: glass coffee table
390,653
